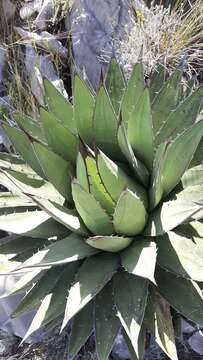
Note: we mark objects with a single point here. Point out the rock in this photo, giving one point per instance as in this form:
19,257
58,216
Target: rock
7,343
45,40
186,328
46,14
9,9
196,342
93,28
120,349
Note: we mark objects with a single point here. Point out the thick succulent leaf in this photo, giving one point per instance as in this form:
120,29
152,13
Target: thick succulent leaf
13,162
65,216
193,176
182,117
136,165
30,126
25,282
94,217
25,185
24,147
140,130
198,158
49,229
156,190
105,118
166,100
115,180
130,215
115,84
43,286
158,321
92,276
183,295
180,255
109,243
72,248
97,188
140,258
180,152
81,172
184,208
18,244
141,344
134,91
193,230
83,110
53,304
156,81
8,200
107,323
22,222
59,139
59,106
57,170
131,294
81,329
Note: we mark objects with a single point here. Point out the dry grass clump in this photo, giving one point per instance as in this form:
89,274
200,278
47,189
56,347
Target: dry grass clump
164,35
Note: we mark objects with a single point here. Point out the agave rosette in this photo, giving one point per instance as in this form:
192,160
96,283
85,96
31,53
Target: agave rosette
105,205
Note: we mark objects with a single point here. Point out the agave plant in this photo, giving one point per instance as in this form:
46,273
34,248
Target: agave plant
104,205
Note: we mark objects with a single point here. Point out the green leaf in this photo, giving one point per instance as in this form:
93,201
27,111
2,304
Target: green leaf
81,329
141,343
156,190
140,130
59,106
193,176
107,323
30,126
83,110
140,258
49,229
105,118
182,117
57,170
109,243
24,147
59,138
18,244
166,100
25,282
7,200
180,152
72,248
131,298
185,207
97,188
158,321
22,222
65,216
43,286
13,162
115,179
26,185
183,295
134,91
130,215
137,166
115,84
53,304
157,81
198,158
180,256
92,276
81,172
94,217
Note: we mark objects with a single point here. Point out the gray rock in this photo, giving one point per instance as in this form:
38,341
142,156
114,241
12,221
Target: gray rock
9,8
196,342
120,349
186,328
93,28
46,14
7,343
